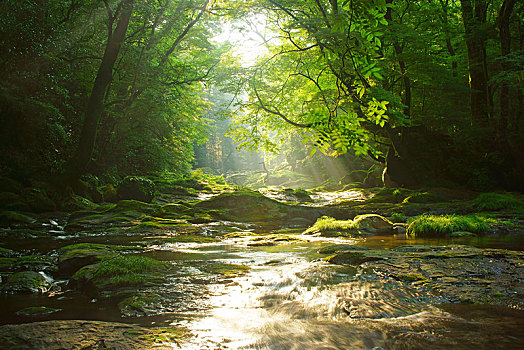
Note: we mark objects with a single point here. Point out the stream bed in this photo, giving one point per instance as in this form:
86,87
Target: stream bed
287,297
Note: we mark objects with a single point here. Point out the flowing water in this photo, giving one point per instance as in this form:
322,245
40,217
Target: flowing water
289,299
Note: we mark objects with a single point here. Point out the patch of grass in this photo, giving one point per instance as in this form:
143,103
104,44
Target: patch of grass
442,226
328,224
496,201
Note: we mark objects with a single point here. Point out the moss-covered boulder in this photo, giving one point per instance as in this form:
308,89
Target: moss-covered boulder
136,188
8,217
373,223
26,282
76,203
73,257
106,277
38,200
28,263
245,206
109,193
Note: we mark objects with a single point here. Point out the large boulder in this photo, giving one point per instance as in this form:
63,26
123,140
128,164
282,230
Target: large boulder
136,188
26,282
373,223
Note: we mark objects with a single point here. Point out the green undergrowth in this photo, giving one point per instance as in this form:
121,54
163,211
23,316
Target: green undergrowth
446,225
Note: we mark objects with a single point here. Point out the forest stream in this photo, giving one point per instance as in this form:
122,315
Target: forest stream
218,284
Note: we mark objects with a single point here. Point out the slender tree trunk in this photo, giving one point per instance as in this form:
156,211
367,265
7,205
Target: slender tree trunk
474,16
505,49
444,5
406,82
95,104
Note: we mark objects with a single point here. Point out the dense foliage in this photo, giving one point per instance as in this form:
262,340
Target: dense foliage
433,89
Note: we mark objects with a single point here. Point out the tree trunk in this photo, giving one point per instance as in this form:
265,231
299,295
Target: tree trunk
95,104
505,49
474,16
406,96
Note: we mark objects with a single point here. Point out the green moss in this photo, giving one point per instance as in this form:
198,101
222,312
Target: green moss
167,335
411,277
441,226
496,201
327,225
119,271
227,270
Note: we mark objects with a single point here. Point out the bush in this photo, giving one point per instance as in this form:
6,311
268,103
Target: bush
136,188
443,226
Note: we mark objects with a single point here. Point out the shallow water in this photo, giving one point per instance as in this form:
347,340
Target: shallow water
289,299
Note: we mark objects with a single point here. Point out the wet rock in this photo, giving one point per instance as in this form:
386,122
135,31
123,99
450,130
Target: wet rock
74,334
26,282
144,304
120,272
28,263
373,223
78,203
273,239
73,257
12,217
38,200
37,311
455,273
136,188
357,257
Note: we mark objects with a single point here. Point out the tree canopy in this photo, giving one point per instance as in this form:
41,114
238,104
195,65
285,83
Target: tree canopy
433,89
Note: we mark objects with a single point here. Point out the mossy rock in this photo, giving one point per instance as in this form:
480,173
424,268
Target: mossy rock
26,282
373,223
109,193
74,257
246,206
37,311
7,217
76,203
121,271
357,257
38,201
141,304
7,253
226,270
136,188
28,263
